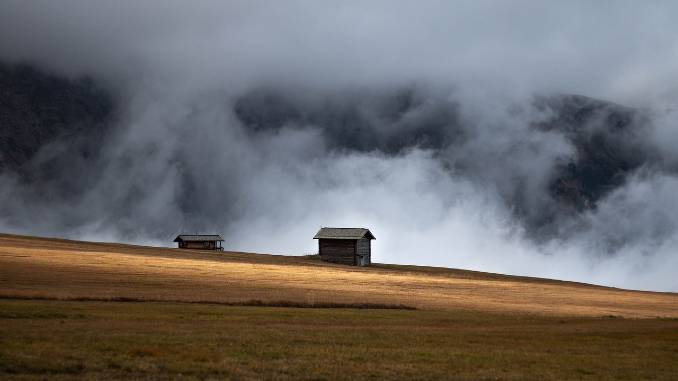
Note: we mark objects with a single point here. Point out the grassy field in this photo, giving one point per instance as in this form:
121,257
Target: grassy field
66,340
61,317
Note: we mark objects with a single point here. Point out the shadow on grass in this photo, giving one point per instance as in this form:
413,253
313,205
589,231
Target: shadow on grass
244,303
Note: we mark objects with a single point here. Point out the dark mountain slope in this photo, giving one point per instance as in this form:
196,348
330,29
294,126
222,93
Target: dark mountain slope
38,109
610,142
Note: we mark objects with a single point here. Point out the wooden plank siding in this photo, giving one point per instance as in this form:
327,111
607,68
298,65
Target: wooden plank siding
200,241
363,251
198,245
341,251
348,246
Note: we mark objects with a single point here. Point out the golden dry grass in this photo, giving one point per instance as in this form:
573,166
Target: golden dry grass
52,268
469,326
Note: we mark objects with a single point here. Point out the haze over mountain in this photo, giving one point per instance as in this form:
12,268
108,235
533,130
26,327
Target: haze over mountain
456,144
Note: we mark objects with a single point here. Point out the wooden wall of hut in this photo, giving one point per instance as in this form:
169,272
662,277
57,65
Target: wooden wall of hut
341,251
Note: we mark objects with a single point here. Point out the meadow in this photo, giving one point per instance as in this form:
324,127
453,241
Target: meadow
68,340
88,311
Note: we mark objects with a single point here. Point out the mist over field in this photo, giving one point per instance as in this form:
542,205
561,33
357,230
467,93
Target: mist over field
521,138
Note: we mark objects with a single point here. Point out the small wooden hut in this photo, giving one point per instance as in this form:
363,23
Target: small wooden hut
200,241
348,246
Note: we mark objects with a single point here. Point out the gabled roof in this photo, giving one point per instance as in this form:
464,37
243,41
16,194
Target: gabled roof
343,233
198,237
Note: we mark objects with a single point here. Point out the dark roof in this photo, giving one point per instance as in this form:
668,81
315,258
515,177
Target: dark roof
198,237
343,233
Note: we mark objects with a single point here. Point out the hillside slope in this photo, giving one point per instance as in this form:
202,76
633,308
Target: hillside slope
53,268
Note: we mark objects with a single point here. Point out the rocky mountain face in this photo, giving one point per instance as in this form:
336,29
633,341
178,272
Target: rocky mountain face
360,121
49,125
610,142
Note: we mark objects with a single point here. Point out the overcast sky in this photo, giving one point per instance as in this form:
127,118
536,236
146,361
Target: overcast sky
625,51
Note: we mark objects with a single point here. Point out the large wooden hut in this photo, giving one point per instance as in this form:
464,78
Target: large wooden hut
200,241
348,246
